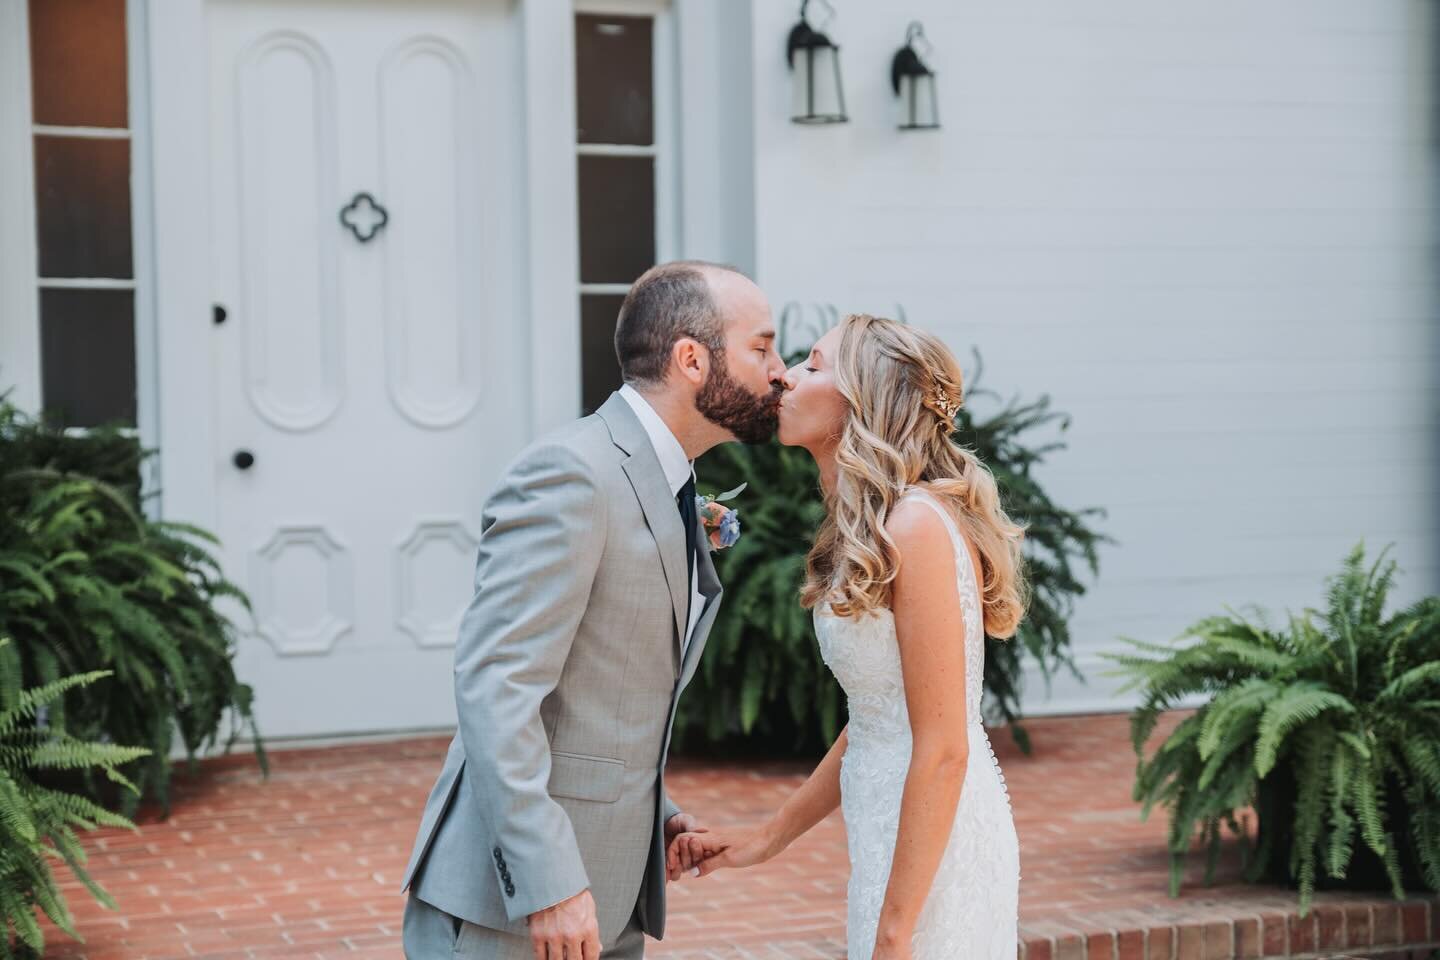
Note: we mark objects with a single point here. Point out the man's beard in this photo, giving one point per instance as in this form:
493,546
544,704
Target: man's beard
723,401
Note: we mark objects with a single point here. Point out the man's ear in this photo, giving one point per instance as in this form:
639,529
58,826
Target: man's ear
692,360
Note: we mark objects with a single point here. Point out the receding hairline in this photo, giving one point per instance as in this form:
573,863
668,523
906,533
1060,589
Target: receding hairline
676,268
712,274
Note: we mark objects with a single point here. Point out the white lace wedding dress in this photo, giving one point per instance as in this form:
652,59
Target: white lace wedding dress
972,909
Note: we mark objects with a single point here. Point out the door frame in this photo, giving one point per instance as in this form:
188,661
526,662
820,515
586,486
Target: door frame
19,291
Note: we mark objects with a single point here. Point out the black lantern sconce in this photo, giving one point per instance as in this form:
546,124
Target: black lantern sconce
914,83
818,94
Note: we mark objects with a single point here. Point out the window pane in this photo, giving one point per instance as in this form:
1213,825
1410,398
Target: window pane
77,62
617,218
87,356
599,370
82,199
613,74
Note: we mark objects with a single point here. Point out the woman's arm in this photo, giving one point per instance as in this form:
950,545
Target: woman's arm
811,802
930,630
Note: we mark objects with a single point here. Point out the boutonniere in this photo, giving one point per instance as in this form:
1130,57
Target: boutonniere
722,523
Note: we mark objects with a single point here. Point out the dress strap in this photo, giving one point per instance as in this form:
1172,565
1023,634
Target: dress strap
964,571
929,499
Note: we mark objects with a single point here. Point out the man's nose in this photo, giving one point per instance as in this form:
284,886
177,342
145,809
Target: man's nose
778,372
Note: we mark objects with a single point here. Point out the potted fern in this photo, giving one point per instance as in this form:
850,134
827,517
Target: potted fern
38,823
1328,727
88,581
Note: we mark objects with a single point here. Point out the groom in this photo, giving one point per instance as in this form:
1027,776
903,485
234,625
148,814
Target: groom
545,834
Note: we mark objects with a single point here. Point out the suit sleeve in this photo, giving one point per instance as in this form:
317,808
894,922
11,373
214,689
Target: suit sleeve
540,545
668,809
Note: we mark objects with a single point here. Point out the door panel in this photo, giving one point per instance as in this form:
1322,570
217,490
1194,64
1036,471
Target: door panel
378,384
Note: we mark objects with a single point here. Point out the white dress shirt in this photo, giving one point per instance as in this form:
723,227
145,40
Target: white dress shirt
677,470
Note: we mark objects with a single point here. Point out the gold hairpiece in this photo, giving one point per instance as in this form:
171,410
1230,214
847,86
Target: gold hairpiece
946,407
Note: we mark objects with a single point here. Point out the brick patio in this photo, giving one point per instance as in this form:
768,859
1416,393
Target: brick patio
307,865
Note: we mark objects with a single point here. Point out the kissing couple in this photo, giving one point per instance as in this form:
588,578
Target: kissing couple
549,833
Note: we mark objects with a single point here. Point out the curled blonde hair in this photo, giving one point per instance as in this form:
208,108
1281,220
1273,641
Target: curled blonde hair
903,387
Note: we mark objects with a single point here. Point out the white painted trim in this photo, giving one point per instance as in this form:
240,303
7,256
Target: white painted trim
179,146
715,137
622,8
85,431
19,298
91,133
614,150
142,246
553,257
276,744
665,106
84,283
605,288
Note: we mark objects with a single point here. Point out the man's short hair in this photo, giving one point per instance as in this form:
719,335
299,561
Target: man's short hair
669,301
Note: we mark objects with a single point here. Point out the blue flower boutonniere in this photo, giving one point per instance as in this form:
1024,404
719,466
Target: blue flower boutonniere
722,523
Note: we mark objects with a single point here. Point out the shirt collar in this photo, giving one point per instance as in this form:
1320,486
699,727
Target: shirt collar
667,448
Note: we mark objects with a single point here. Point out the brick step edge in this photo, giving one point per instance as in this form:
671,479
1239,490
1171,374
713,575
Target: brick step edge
1404,930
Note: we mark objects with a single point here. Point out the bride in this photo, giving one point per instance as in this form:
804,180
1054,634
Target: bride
913,565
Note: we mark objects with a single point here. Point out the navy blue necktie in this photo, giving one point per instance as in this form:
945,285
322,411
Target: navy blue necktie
685,500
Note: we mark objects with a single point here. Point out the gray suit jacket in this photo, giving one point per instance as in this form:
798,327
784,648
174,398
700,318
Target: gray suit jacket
568,668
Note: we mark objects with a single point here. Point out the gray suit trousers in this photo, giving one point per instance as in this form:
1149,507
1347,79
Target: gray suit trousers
432,934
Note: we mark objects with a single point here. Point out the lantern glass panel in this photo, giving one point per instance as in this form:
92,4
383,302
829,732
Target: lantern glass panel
817,96
918,109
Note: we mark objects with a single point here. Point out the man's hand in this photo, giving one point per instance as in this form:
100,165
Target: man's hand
684,856
566,931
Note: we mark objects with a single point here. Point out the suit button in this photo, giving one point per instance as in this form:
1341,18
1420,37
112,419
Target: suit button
510,890
498,856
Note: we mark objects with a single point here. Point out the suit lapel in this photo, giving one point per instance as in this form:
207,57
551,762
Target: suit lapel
646,476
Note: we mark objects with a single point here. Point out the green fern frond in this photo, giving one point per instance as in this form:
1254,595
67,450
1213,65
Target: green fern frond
1230,708
1299,704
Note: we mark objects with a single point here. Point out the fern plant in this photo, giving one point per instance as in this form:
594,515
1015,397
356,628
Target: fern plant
1329,727
88,582
762,684
38,823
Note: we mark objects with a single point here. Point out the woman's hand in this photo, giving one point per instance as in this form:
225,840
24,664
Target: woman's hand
717,849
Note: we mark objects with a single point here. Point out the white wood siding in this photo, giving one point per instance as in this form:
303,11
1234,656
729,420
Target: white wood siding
1204,227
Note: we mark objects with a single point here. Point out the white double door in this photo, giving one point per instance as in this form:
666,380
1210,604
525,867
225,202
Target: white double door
371,361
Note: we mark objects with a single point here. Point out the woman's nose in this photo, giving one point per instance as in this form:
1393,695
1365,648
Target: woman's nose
788,377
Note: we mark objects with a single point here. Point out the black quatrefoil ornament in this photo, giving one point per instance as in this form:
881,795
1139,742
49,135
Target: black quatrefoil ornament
364,217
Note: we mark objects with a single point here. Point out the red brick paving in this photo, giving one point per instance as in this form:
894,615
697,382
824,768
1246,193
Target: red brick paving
307,865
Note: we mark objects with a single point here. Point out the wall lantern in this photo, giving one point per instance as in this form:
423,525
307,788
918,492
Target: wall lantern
818,96
914,83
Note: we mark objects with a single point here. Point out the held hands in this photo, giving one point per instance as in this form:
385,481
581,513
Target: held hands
702,852
566,930
679,858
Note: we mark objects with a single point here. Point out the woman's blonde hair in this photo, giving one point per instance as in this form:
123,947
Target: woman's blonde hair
903,387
